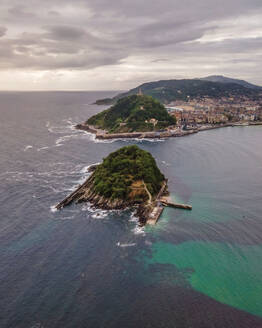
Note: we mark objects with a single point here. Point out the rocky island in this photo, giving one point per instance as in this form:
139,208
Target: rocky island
128,177
132,116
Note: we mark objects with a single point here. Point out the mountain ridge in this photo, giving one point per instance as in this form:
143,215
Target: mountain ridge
225,79
184,89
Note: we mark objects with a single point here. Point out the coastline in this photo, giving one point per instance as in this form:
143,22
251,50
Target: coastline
104,135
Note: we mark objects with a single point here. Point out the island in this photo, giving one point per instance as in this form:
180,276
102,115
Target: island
134,116
127,178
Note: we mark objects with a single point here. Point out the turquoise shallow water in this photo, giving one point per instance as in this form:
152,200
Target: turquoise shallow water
219,242
229,274
80,268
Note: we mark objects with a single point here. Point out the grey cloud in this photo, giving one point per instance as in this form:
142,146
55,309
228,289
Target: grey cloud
57,47
53,13
227,46
159,60
65,32
175,8
80,34
20,11
160,34
3,31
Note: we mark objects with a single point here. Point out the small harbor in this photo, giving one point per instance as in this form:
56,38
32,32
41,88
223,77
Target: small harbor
162,201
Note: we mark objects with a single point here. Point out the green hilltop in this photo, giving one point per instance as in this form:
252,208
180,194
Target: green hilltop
133,113
128,174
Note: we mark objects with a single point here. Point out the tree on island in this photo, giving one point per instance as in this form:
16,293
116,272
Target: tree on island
123,173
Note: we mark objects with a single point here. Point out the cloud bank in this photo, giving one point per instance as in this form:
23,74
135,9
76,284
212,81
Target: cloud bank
101,44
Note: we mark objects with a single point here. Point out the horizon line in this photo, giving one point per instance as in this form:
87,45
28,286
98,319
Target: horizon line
62,90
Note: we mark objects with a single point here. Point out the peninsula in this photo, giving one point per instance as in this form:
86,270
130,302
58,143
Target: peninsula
191,106
128,177
132,116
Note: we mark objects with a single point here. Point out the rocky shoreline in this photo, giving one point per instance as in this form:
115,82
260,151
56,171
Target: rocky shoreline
86,193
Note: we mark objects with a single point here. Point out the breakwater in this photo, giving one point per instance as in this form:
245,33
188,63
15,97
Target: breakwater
103,135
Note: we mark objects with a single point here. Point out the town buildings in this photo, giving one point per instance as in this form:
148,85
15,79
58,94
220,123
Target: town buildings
224,110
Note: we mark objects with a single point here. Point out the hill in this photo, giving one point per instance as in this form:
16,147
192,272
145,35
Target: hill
133,113
224,79
170,90
123,172
126,177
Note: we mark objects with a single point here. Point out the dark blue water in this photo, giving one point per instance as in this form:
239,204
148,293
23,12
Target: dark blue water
80,268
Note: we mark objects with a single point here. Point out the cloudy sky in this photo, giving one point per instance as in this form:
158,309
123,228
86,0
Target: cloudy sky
117,44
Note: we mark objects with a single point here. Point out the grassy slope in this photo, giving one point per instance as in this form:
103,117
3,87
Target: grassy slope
131,113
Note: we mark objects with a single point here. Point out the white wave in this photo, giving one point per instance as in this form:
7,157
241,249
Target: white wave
28,147
86,168
84,175
126,245
97,213
107,141
139,230
164,162
64,218
93,138
42,148
149,243
60,141
53,208
88,207
69,126
149,139
100,215
133,218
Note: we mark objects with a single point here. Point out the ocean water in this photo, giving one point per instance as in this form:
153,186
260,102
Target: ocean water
83,268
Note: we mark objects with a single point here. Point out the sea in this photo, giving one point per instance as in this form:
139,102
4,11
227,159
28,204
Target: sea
80,267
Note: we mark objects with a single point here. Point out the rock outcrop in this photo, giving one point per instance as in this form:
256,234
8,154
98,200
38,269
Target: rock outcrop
86,193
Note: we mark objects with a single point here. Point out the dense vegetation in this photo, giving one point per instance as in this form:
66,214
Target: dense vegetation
169,90
122,168
133,113
223,79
